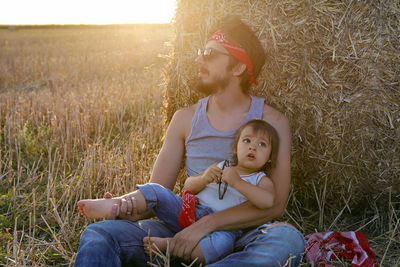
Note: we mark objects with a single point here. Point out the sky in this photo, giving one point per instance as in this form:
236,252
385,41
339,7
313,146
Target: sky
86,11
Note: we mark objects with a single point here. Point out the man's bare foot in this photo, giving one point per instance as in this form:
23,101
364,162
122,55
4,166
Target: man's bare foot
152,241
96,208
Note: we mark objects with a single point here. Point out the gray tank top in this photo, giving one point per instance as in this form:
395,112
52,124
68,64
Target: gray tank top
205,145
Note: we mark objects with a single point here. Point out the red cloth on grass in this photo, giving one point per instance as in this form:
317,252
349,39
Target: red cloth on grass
324,247
187,213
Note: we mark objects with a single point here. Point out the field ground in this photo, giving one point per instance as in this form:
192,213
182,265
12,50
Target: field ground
80,114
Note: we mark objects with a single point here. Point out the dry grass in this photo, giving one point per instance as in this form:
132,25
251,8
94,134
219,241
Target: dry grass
79,115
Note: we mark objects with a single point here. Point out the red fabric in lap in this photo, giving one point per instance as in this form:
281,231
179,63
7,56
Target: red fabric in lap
187,213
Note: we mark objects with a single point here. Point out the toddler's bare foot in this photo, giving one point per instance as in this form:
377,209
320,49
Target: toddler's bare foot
96,208
160,242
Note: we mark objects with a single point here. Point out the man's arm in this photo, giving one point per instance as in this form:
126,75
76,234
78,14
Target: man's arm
168,162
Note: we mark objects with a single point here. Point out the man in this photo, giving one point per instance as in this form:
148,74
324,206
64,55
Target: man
229,64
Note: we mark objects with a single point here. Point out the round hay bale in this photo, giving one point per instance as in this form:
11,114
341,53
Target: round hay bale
333,68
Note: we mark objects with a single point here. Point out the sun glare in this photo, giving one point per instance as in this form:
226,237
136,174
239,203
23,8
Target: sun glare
87,11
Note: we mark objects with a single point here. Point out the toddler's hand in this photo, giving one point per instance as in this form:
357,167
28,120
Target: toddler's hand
230,176
108,195
212,173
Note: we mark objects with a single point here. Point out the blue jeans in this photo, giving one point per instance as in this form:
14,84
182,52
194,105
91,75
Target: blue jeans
119,243
167,206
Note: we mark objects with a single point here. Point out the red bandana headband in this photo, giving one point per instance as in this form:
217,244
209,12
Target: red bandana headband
236,51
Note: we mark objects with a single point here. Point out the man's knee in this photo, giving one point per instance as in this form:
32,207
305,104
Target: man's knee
96,231
285,240
113,231
285,233
120,239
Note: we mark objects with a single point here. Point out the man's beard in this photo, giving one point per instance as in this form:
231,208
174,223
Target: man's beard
212,87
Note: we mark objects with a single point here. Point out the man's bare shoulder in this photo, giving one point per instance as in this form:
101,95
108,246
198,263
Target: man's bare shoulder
275,117
182,120
185,113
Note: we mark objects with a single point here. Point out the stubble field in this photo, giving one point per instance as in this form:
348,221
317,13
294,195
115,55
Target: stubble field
80,114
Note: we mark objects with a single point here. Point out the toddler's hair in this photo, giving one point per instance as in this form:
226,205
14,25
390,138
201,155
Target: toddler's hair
263,127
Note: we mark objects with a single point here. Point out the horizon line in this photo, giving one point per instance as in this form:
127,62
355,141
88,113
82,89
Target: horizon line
88,24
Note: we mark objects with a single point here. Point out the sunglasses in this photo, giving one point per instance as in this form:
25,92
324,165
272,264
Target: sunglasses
208,53
221,194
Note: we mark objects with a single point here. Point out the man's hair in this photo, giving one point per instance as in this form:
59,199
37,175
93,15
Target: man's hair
237,32
260,127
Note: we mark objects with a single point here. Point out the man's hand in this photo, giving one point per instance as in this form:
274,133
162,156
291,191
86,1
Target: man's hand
211,174
125,210
114,210
230,176
183,243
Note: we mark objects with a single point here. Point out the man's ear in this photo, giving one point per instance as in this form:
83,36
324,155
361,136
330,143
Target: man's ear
239,69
